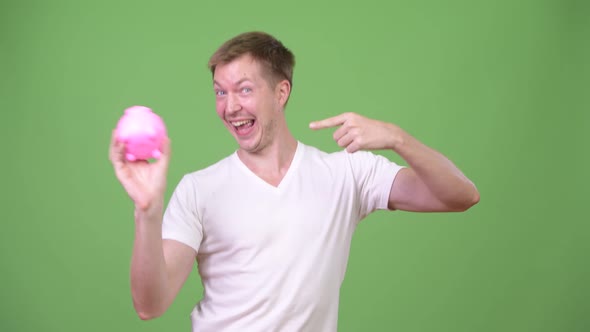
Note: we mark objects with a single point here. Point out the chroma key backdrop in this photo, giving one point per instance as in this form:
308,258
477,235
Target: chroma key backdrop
500,87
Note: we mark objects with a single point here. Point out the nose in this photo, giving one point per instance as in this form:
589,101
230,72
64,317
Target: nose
233,104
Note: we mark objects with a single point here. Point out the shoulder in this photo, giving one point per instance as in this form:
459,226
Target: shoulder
313,153
207,176
212,170
360,165
341,157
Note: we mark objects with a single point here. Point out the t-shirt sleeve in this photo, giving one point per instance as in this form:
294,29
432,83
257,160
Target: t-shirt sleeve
181,218
374,176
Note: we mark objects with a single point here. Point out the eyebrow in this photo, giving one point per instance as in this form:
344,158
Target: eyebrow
236,83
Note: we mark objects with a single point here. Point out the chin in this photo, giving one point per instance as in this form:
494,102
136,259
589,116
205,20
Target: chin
247,145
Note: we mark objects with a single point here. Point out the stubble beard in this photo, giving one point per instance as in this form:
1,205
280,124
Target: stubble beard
266,137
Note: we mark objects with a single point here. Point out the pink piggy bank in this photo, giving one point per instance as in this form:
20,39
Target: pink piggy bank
142,131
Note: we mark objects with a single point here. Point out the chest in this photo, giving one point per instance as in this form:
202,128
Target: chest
255,216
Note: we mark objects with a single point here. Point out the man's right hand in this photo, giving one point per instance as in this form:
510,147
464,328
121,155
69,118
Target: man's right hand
144,182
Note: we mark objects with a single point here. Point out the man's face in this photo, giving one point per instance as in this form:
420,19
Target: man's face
246,103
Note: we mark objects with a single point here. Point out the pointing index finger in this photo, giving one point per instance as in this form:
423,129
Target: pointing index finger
337,120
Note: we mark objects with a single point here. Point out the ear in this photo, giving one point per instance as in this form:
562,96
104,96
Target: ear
283,91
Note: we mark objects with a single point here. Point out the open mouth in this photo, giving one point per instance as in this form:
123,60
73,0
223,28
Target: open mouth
242,127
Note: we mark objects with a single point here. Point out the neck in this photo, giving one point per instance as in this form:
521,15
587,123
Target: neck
272,163
273,159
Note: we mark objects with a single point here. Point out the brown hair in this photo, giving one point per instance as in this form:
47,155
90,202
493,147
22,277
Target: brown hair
276,59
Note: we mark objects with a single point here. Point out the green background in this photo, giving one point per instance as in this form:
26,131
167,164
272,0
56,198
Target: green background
500,87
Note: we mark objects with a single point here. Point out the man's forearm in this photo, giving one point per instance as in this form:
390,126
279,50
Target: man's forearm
148,266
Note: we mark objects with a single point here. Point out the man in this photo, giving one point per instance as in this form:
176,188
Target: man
270,226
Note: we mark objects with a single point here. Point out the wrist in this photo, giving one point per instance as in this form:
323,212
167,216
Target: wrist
150,212
398,138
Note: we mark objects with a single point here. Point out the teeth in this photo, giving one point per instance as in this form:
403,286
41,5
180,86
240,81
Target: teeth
240,123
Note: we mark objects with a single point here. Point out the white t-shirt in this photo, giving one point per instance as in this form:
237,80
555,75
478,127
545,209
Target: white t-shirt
274,258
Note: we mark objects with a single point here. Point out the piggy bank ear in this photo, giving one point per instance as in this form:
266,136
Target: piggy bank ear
137,109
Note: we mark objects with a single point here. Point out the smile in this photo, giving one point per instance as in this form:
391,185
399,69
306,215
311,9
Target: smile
244,127
244,123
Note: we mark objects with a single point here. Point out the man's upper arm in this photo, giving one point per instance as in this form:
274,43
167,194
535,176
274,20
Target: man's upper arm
409,193
180,259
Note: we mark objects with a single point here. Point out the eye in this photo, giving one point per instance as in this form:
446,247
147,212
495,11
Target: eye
246,90
219,93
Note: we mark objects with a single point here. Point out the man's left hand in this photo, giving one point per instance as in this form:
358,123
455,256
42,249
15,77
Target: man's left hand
359,133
